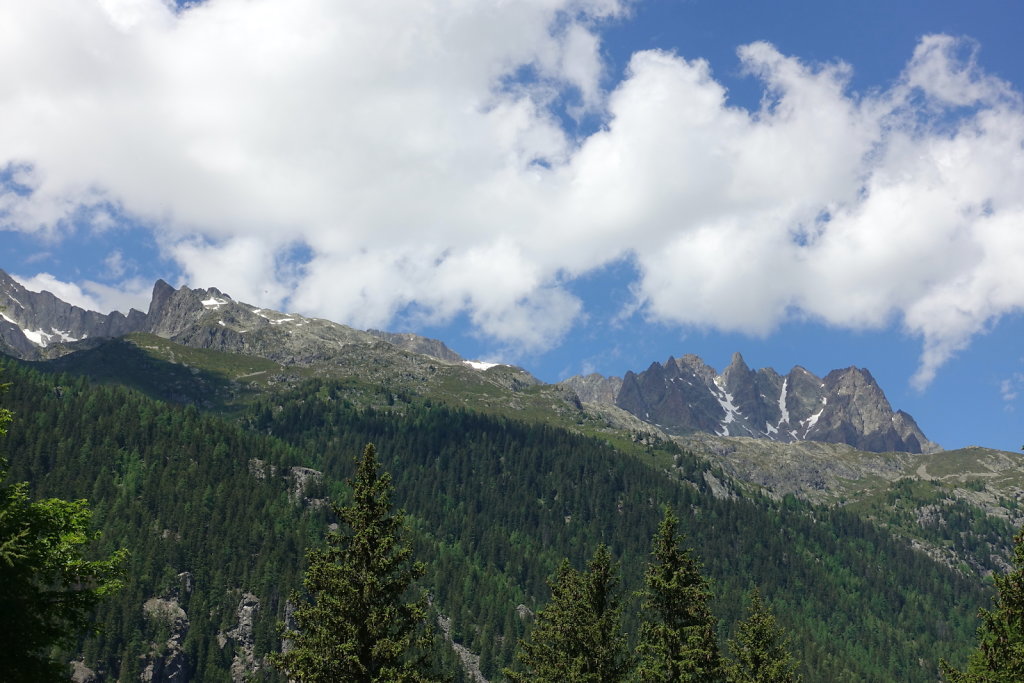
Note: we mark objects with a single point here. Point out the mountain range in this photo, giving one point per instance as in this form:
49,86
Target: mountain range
208,434
680,396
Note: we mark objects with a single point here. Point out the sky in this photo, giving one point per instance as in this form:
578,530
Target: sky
572,186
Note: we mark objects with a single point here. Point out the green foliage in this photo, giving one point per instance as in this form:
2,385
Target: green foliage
678,640
577,637
47,587
494,504
760,650
357,626
999,656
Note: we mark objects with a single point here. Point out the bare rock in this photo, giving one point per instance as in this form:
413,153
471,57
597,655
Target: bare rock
245,663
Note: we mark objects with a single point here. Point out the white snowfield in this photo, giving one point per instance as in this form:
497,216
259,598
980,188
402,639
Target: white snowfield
41,338
480,365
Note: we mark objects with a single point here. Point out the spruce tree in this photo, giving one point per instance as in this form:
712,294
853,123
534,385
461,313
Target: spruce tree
678,640
577,637
358,626
999,655
760,649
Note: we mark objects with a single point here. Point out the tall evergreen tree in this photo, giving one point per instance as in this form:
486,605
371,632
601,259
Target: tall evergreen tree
760,649
577,637
999,655
678,640
358,626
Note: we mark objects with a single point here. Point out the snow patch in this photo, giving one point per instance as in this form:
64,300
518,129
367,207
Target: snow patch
64,336
769,429
273,321
724,399
480,365
214,302
39,337
813,419
782,403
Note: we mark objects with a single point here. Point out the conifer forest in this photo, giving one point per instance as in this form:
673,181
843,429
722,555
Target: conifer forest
233,542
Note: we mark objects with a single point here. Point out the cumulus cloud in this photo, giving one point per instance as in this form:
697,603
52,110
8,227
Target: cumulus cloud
92,296
416,153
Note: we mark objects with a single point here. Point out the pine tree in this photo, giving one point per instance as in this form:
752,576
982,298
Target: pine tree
577,637
678,640
999,655
358,626
761,650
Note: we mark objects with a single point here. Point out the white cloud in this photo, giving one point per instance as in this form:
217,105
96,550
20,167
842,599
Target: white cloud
1008,388
92,296
392,141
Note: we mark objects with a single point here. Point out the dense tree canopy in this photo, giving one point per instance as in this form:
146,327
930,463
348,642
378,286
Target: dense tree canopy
47,587
494,505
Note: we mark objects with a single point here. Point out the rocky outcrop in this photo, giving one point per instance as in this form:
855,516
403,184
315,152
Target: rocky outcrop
417,344
245,663
302,482
594,388
686,395
855,412
469,660
168,662
80,673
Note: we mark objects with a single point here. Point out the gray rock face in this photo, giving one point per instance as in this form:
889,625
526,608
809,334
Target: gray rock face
31,321
245,663
168,663
594,388
35,325
686,395
417,344
676,395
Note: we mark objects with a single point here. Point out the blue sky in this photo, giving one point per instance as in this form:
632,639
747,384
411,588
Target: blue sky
572,186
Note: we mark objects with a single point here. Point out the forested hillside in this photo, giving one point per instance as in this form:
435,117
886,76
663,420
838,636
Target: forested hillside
217,512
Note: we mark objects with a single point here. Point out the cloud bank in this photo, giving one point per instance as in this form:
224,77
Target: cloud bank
418,154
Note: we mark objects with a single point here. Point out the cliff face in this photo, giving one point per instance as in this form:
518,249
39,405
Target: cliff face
36,325
687,395
32,321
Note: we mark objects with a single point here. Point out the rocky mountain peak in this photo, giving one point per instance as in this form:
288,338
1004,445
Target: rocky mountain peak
32,321
204,318
687,395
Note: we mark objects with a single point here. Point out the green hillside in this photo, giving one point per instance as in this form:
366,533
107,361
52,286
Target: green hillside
211,510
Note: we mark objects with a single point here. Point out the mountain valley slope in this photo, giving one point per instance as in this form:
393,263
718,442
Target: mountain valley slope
316,388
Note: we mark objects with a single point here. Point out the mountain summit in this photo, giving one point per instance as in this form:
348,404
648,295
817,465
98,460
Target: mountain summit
685,395
39,325
679,396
